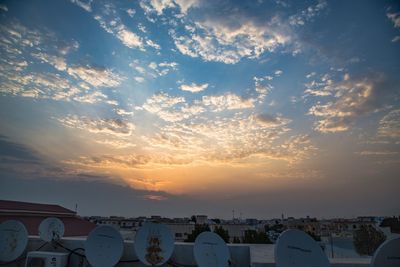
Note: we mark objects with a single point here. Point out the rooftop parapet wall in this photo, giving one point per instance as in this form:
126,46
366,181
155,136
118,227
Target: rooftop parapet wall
243,255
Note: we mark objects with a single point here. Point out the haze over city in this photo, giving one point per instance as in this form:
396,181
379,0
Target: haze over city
178,107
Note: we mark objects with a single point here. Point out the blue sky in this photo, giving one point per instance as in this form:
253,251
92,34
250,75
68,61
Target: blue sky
178,105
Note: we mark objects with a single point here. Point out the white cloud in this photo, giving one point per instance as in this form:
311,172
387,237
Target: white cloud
158,6
95,76
56,61
395,18
185,5
116,127
307,14
139,79
227,101
153,44
131,12
129,38
217,40
193,87
352,98
111,23
85,4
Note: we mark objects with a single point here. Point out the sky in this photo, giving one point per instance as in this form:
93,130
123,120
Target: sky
181,107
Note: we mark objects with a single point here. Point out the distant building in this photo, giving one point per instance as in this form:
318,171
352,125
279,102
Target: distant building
180,231
201,219
32,214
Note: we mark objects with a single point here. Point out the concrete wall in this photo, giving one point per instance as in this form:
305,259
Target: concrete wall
242,255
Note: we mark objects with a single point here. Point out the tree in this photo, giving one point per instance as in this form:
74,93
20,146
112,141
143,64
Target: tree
254,237
367,239
222,233
198,229
236,240
314,236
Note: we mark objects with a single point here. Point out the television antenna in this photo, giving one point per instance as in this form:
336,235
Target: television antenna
51,229
210,250
13,240
104,246
296,248
154,244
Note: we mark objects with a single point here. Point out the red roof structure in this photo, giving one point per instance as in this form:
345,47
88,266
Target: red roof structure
32,214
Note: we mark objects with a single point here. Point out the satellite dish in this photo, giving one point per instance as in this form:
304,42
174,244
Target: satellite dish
13,240
104,246
51,229
210,250
296,248
154,244
388,254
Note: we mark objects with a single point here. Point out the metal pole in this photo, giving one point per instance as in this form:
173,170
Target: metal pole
332,245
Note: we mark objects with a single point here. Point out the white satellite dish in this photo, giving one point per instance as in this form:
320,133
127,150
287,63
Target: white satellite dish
296,248
51,229
104,246
210,250
154,244
13,240
388,254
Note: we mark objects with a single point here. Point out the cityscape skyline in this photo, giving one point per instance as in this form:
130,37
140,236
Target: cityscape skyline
180,107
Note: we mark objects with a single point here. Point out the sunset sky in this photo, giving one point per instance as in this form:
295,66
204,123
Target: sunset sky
181,107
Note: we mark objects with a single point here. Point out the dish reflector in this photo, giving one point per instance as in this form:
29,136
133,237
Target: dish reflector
13,240
154,244
388,254
51,229
104,246
210,250
296,248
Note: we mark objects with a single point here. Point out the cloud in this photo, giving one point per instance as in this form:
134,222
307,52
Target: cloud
116,143
155,197
185,5
72,83
168,108
112,23
194,88
377,153
307,14
352,98
396,39
3,8
153,69
85,4
395,18
231,39
56,61
232,139
158,6
389,125
163,68
114,126
95,76
227,101
139,79
131,12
